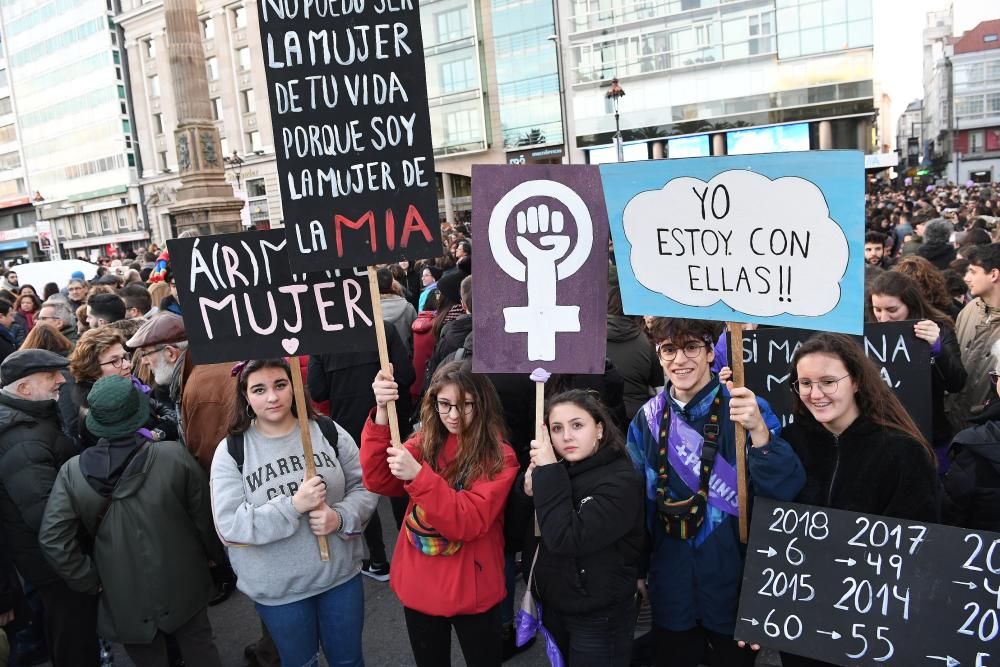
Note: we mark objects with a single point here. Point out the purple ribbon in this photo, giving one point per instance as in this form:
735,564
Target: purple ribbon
137,383
684,446
527,626
146,433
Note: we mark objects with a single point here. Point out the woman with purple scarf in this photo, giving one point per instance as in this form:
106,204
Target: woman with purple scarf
683,444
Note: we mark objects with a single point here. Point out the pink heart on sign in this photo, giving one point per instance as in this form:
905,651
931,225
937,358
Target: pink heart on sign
290,344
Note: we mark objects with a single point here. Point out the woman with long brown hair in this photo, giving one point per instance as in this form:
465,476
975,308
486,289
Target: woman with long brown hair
894,297
269,515
930,281
448,566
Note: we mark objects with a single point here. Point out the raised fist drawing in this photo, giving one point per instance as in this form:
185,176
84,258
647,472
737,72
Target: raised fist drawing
554,245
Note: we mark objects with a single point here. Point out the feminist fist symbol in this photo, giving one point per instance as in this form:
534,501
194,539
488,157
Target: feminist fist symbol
545,263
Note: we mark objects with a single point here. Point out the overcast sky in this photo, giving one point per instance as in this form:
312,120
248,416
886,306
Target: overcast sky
899,43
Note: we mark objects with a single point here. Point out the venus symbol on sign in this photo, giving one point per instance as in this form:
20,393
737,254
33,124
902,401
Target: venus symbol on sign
548,259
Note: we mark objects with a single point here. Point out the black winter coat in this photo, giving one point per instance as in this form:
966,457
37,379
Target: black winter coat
452,338
345,379
592,532
32,449
634,355
971,497
948,375
868,468
938,253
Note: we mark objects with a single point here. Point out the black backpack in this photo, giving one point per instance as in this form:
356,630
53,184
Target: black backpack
234,441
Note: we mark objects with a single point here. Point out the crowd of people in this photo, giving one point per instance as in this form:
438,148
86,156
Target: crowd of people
137,488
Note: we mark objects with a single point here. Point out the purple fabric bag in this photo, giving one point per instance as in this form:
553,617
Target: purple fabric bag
528,623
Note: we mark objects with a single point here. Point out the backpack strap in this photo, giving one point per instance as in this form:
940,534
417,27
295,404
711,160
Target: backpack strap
330,431
234,443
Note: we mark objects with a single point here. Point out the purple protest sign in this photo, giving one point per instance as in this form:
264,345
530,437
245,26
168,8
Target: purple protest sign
540,290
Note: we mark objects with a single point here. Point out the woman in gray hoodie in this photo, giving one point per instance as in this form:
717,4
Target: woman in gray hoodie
270,517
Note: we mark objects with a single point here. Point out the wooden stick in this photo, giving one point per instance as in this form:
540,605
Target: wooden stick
383,350
307,445
539,429
736,363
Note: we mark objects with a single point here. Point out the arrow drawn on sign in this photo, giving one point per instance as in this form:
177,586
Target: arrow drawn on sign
833,634
751,621
946,659
769,552
847,561
971,585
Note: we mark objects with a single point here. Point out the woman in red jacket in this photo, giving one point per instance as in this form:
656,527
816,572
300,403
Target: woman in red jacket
448,563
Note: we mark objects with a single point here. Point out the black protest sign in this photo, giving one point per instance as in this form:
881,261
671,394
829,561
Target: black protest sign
859,589
352,132
241,301
904,363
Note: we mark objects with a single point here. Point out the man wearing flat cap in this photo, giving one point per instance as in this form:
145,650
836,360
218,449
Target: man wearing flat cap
32,450
204,394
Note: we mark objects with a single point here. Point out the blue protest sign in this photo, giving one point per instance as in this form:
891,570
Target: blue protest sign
774,239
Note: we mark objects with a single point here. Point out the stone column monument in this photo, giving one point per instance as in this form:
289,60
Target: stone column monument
205,201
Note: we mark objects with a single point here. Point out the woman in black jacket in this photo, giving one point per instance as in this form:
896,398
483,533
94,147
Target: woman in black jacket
589,504
894,297
971,496
861,451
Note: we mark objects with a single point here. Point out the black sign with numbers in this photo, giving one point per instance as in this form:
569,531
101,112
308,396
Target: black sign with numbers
860,589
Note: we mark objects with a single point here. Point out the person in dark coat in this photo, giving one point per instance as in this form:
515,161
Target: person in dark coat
632,353
971,494
589,506
894,297
454,333
344,379
147,510
861,451
8,343
33,448
937,247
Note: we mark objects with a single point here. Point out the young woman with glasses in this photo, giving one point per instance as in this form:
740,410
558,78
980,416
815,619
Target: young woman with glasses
862,452
893,297
99,353
448,566
683,443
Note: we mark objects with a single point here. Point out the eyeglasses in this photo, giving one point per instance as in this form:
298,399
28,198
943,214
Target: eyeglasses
827,386
444,407
692,350
42,319
149,353
118,362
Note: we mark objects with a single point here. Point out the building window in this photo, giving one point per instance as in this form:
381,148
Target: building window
216,108
213,68
3,78
106,221
458,75
150,46
162,158
461,126
240,17
243,56
10,161
454,24
154,86
88,220
122,220
247,103
993,104
74,226
253,140
5,106
257,200
158,123
976,143
208,28
8,133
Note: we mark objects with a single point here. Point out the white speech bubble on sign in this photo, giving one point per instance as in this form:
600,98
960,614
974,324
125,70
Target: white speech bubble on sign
763,247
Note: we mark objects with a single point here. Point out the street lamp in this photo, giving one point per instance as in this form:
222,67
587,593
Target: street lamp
615,93
236,162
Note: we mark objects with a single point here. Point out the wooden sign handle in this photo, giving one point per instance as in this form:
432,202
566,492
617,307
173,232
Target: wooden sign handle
539,429
307,445
383,350
736,363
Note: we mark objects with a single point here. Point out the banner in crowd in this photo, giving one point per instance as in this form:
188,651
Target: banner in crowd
859,589
904,362
352,131
241,301
541,278
774,239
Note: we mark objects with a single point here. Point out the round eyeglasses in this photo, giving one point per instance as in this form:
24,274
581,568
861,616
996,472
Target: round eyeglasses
827,386
445,407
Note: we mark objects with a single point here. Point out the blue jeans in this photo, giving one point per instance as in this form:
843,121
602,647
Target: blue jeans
334,618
